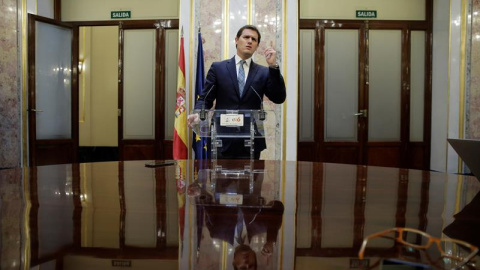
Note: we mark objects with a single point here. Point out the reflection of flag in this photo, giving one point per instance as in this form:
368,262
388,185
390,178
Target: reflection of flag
180,126
180,140
180,181
200,145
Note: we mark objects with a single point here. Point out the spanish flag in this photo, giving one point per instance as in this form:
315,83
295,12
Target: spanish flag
180,151
180,127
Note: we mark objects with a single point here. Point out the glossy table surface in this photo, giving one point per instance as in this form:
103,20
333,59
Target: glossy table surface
192,215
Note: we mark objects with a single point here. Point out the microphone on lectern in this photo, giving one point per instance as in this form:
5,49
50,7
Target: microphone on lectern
202,113
262,114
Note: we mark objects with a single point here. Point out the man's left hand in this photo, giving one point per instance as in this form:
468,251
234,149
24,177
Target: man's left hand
270,56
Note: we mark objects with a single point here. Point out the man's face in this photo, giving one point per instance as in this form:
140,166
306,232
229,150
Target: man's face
247,43
245,259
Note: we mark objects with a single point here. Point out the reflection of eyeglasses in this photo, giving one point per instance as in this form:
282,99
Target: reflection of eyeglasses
410,237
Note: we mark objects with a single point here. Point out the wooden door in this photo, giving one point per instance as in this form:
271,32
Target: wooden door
52,91
144,91
364,87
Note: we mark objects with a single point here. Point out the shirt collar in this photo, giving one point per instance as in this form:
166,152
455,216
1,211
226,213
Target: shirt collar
237,60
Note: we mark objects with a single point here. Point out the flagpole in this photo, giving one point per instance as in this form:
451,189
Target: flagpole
180,151
200,145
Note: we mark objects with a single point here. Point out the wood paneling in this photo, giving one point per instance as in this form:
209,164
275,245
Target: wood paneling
54,152
384,155
402,153
138,151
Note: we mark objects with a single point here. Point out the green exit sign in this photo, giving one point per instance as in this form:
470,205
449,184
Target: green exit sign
121,14
366,14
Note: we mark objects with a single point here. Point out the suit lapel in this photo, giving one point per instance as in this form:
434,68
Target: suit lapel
232,70
251,74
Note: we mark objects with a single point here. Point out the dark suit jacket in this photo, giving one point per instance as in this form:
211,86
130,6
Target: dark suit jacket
222,85
221,221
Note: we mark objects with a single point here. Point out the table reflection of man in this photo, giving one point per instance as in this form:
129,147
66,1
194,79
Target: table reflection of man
237,225
244,258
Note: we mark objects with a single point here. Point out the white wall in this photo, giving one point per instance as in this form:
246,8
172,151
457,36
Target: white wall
291,79
89,10
345,9
446,77
454,92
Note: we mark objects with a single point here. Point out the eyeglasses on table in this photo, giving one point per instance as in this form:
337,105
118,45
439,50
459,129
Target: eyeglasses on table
456,254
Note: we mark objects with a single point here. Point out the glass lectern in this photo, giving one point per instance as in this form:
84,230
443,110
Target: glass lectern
221,125
239,183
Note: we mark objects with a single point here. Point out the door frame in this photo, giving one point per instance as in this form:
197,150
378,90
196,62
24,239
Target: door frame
163,148
160,148
412,154
51,151
329,151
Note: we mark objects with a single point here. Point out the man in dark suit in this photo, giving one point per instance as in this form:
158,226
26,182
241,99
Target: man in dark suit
240,84
223,222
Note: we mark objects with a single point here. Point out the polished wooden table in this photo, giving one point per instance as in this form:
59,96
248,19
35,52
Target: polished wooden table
184,216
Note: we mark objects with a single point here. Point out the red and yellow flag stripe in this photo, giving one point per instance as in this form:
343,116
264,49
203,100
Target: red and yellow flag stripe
180,127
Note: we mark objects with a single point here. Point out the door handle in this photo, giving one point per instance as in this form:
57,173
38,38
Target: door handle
362,113
34,110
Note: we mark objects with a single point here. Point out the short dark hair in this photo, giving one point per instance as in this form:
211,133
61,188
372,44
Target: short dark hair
251,27
241,248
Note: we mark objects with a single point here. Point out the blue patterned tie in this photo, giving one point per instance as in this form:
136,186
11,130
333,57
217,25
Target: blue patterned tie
241,77
239,228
